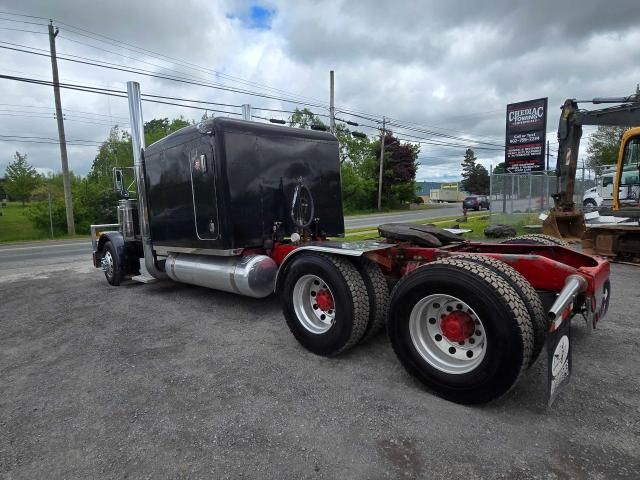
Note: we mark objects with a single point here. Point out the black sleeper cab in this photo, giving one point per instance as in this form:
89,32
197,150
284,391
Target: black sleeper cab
225,184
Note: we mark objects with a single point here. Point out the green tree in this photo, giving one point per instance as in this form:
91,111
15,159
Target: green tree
38,211
21,178
357,159
399,170
93,203
603,147
475,178
158,128
304,119
115,151
355,150
468,169
500,168
356,162
481,180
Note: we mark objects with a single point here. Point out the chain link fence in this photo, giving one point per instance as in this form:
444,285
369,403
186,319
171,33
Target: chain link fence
521,198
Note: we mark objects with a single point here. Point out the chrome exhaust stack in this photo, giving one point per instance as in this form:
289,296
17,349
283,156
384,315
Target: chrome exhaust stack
573,285
137,141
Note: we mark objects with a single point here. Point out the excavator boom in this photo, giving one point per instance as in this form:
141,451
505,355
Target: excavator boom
567,222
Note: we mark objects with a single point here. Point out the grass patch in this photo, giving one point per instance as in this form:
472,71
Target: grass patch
476,222
373,211
15,226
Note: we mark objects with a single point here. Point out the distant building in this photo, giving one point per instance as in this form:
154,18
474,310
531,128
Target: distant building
423,188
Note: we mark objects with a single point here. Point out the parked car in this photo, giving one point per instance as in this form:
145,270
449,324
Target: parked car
475,202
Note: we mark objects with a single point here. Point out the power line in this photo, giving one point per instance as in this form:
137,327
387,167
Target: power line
155,65
402,125
21,21
179,62
75,30
22,30
114,66
444,135
139,71
109,92
287,111
358,116
37,139
23,15
65,111
427,141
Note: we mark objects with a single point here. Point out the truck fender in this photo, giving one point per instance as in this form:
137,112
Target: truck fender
117,240
334,248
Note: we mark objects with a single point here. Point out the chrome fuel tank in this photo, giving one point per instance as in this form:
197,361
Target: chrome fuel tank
251,275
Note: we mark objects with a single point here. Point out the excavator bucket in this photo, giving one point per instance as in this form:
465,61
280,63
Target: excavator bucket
568,226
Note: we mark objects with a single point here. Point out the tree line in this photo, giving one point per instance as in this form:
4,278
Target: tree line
94,198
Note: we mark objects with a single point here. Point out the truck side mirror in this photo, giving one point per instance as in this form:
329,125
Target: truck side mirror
119,182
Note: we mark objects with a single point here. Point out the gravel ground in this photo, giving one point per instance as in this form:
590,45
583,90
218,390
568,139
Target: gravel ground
173,381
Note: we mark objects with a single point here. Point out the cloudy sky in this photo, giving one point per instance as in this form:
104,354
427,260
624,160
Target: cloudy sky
433,68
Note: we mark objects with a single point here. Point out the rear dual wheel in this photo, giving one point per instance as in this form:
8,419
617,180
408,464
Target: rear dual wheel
461,329
527,293
325,303
331,303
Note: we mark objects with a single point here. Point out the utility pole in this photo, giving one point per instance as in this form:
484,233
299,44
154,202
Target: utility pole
490,189
332,105
382,135
68,201
50,215
548,153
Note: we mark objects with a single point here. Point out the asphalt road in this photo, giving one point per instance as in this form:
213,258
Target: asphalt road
14,256
375,219
173,381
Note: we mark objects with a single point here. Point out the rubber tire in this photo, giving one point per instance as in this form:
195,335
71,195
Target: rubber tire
589,202
501,310
528,294
537,239
349,295
116,278
378,292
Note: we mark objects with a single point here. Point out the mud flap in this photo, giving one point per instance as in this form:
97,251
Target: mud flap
558,360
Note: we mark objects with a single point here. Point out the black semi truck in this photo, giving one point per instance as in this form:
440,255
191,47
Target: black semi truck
256,209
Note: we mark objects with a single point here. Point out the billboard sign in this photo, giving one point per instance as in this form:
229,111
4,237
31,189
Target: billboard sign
526,136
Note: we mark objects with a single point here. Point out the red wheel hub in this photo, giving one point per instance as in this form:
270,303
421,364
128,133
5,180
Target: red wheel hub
324,299
457,326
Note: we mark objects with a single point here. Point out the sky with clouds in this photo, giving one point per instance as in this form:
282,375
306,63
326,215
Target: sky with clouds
444,67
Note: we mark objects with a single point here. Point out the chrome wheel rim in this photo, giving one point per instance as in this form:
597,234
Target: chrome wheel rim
447,333
107,264
314,304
